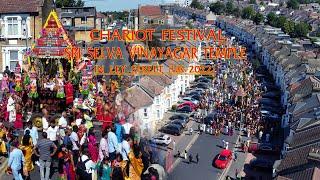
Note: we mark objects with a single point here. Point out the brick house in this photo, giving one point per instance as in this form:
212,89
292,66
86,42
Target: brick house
78,21
20,23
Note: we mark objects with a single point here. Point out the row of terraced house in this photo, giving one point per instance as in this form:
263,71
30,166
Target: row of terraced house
295,67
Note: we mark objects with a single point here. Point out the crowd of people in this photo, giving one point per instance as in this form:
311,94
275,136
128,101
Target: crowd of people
73,149
70,143
234,99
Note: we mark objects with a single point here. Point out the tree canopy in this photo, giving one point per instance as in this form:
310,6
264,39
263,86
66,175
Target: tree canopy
217,7
293,4
69,3
196,4
247,12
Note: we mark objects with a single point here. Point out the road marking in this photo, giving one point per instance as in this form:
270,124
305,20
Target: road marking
187,148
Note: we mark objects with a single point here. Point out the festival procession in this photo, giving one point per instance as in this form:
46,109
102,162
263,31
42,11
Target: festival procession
61,120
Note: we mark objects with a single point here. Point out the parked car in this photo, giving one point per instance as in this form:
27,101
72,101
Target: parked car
223,159
276,110
179,122
200,85
196,97
162,139
269,114
180,116
184,109
191,93
188,103
194,101
171,129
260,164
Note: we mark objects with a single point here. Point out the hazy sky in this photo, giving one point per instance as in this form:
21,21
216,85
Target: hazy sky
118,5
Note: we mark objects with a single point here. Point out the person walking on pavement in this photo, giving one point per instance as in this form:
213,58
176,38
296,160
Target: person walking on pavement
197,158
191,130
16,161
190,158
185,154
235,156
173,145
42,150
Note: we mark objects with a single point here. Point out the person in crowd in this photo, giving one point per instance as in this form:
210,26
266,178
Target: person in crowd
126,143
3,139
53,132
113,146
16,160
27,149
66,167
103,146
89,166
63,123
135,163
160,170
43,151
105,170
75,144
92,148
45,118
33,132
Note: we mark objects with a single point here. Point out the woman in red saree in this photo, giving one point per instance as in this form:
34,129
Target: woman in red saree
92,145
99,112
66,166
69,93
18,124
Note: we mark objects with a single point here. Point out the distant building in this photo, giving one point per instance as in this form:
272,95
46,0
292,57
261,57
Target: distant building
20,23
150,15
79,21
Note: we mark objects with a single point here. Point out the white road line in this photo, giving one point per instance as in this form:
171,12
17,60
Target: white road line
187,148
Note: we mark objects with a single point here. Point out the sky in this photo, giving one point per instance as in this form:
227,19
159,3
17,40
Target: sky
118,5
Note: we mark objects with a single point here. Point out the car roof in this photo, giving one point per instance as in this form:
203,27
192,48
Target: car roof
225,152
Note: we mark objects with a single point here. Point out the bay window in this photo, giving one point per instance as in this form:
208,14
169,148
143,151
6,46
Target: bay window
13,25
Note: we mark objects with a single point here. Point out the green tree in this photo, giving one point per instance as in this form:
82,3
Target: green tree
288,27
196,4
293,4
280,21
236,12
217,7
252,2
301,29
258,18
229,7
247,12
271,18
69,3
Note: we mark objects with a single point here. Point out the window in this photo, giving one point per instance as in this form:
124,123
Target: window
13,59
12,26
83,20
145,112
157,100
158,114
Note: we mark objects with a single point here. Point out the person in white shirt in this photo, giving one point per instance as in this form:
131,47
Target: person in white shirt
127,126
33,133
125,147
113,146
45,124
90,165
103,146
62,125
75,144
11,109
53,132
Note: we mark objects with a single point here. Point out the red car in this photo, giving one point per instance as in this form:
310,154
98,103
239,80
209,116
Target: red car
188,103
223,159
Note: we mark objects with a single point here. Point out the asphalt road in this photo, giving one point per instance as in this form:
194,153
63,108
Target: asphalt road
207,146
